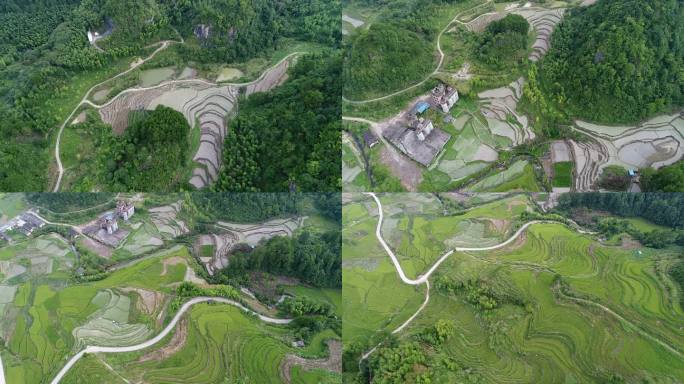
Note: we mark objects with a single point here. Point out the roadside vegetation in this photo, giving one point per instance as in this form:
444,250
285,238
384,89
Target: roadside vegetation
288,139
544,308
47,65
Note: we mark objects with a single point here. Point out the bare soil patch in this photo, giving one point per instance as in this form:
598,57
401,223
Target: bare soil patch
333,363
407,171
175,344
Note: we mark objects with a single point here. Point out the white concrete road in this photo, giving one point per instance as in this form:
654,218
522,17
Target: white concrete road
160,336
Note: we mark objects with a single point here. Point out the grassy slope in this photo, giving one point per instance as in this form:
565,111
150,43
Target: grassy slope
557,340
422,237
373,299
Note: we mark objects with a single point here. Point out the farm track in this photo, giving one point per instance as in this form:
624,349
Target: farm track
197,300
198,178
163,45
424,277
436,71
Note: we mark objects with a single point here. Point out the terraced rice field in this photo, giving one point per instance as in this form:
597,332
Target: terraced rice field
518,177
222,342
48,319
543,21
373,299
218,343
499,109
621,324
420,236
654,143
250,234
571,309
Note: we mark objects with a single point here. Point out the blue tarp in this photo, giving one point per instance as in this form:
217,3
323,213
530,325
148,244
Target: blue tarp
421,107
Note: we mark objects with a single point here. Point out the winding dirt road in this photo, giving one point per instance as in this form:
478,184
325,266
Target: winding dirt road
436,71
424,278
163,45
161,335
60,169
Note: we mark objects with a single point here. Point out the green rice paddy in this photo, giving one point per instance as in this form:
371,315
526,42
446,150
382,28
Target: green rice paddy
570,308
374,300
419,236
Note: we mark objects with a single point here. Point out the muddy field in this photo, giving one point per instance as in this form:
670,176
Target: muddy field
205,105
654,143
234,234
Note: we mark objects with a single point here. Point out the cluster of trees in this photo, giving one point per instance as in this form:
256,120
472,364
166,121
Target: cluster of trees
397,364
614,178
149,154
629,51
660,208
43,48
305,327
384,58
665,179
244,207
303,305
314,258
67,201
438,333
288,138
475,293
239,30
504,42
187,290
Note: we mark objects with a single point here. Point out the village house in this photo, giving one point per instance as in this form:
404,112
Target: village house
27,223
445,97
422,127
125,210
108,223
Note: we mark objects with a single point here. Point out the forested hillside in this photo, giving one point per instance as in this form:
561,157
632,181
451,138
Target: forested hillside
397,50
47,63
660,208
288,138
617,61
148,156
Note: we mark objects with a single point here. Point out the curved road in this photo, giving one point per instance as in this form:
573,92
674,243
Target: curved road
161,335
424,278
164,45
60,168
436,71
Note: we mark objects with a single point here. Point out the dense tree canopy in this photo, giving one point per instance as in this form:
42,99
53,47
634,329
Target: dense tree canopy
385,58
245,207
46,61
617,61
148,156
504,41
314,258
660,208
666,179
288,138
